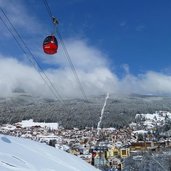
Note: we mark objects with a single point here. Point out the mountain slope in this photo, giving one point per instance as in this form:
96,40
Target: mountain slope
17,154
119,110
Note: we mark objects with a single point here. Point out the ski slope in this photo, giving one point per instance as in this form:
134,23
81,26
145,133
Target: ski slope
19,154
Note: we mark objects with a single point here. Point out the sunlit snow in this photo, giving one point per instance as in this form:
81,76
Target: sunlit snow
29,123
18,154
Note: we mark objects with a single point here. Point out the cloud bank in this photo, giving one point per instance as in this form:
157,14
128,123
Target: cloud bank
93,71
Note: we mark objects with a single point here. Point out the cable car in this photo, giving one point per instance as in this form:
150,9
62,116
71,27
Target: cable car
50,45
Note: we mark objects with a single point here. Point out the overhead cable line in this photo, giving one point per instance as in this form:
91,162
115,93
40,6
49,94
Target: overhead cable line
35,62
66,52
72,66
48,9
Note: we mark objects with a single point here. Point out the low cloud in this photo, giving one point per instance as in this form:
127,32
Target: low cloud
156,83
83,56
93,71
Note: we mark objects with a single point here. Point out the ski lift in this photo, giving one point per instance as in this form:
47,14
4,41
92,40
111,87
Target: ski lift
50,45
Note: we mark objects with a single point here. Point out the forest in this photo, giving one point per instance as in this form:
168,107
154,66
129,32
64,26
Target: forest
119,110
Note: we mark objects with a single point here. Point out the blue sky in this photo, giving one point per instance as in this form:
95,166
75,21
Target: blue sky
130,40
133,32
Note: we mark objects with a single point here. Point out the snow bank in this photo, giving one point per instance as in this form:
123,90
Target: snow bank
17,154
30,123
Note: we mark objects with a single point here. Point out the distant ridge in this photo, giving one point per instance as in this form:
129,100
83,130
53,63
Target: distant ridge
119,111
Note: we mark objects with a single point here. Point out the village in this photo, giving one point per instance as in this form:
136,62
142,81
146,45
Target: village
102,147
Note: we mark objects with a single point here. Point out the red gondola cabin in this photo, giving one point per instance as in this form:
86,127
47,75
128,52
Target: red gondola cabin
50,45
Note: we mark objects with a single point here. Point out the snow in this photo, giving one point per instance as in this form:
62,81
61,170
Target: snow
30,123
118,144
8,127
111,129
19,154
159,116
62,147
140,132
151,120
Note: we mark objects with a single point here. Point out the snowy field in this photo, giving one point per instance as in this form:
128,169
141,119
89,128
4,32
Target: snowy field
30,123
17,154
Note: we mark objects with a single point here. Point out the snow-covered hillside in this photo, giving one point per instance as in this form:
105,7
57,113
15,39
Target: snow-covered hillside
151,120
17,154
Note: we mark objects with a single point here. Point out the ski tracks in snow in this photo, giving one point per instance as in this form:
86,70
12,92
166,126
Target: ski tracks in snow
102,112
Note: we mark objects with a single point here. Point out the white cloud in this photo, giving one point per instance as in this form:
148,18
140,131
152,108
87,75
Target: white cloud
129,84
98,81
92,69
14,74
126,68
154,82
89,62
149,83
20,16
83,56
